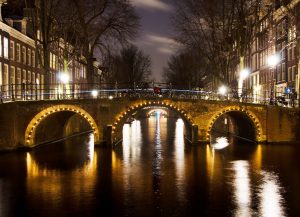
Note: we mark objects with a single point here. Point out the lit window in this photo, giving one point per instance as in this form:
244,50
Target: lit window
12,50
5,47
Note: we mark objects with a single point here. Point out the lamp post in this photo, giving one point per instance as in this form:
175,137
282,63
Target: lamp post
222,91
243,75
273,60
64,79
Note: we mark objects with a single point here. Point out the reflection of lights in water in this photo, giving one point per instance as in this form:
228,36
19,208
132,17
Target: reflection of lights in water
157,149
47,183
210,159
132,139
271,199
179,158
242,193
221,142
91,147
157,114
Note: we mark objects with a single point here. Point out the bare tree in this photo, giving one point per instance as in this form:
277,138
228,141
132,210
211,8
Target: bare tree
100,22
41,18
131,67
221,29
185,70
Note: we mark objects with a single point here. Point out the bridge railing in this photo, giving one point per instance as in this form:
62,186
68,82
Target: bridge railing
59,91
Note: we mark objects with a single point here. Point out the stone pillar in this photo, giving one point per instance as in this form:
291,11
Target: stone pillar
194,134
108,136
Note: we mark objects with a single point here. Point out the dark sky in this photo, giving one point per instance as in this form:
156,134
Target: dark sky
156,32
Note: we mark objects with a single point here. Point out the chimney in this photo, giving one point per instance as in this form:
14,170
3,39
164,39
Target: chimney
2,2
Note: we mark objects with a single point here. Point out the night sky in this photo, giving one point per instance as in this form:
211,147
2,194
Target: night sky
156,34
155,38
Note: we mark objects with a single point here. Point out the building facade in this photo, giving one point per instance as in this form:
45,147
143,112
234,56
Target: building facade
273,56
21,74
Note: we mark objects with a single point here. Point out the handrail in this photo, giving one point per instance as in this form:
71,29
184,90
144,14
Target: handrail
58,91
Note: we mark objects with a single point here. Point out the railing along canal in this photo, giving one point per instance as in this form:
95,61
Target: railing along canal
59,91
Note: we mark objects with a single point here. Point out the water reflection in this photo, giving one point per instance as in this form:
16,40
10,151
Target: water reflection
221,143
179,159
157,151
270,194
131,152
49,183
242,192
152,174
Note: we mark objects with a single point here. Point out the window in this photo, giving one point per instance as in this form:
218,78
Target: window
18,82
283,71
293,52
29,77
12,50
24,55
12,75
279,72
33,58
33,78
0,45
51,59
39,35
292,33
5,47
294,73
24,76
290,74
283,51
5,78
18,53
19,76
29,56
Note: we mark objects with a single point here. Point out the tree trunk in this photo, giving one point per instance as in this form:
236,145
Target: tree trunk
89,68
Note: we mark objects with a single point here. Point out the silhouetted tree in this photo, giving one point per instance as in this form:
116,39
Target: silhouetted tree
102,22
131,67
185,71
221,29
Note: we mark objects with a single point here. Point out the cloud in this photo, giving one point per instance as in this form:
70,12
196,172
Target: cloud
161,44
152,4
159,39
166,50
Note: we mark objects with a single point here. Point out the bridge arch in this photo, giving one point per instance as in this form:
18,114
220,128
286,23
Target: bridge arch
246,112
121,118
41,116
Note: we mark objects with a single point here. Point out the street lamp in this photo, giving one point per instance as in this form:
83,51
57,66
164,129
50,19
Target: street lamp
64,79
243,75
222,90
273,60
94,93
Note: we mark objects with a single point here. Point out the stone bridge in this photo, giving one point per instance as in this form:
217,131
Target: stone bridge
27,124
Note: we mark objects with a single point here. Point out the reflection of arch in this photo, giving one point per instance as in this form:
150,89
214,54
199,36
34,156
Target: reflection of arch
121,118
32,126
255,121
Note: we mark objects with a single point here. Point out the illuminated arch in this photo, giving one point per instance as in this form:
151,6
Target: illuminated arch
120,118
32,126
260,137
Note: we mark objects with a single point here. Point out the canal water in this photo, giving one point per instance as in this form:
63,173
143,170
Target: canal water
153,173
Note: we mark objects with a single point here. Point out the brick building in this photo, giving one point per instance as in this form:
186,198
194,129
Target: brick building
276,34
20,71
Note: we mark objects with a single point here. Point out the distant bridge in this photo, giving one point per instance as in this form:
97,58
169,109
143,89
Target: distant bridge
25,124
